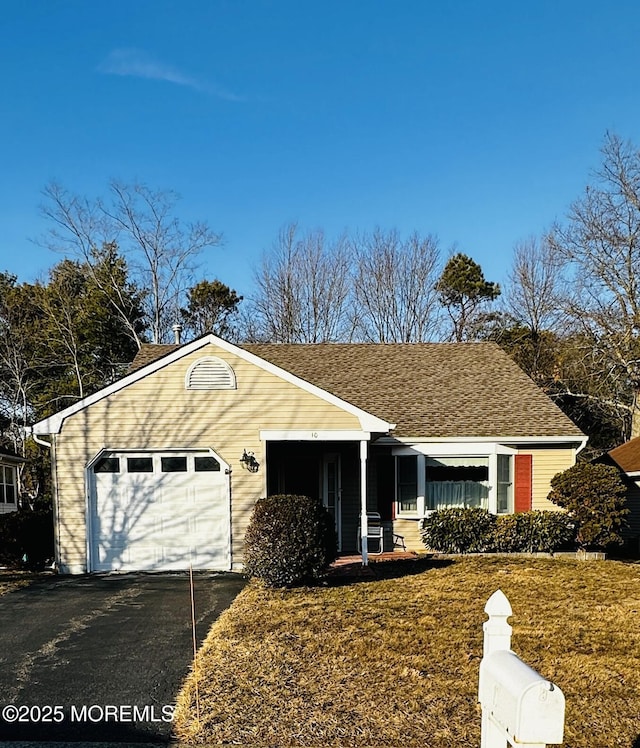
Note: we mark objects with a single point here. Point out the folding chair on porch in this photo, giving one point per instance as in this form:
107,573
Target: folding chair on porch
375,532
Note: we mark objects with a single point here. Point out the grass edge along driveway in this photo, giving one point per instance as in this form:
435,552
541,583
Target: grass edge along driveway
13,580
395,661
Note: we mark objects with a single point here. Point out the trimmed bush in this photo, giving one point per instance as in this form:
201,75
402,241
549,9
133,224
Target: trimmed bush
477,531
595,497
26,538
533,532
458,530
290,539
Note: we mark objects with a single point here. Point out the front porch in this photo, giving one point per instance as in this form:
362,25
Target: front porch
349,566
344,475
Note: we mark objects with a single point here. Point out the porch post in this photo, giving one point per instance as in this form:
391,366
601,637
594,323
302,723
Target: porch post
363,503
493,484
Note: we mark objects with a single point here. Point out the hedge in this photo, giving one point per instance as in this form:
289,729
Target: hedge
475,530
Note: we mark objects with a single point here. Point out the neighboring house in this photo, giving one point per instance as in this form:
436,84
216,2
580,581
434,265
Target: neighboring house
626,458
162,468
9,464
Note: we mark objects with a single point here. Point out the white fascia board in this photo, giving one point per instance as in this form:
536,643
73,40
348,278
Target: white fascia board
53,424
635,474
309,435
407,440
451,449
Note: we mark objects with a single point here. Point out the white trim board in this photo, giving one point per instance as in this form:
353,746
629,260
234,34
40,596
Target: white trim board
452,449
515,440
309,435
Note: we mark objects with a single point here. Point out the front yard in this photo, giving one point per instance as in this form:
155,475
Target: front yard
395,661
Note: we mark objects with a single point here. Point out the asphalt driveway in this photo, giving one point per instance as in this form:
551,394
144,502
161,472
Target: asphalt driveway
101,658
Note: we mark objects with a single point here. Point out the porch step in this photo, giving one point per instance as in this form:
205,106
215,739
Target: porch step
351,566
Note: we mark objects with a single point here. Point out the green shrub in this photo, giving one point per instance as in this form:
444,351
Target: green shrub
533,532
26,538
507,534
475,531
458,530
595,497
290,539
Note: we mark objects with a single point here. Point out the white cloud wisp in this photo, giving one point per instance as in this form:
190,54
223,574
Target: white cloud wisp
139,64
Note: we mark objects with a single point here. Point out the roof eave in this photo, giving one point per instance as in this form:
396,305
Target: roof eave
580,441
53,424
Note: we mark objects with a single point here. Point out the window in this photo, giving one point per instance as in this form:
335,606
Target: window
174,464
457,482
139,464
505,484
407,472
7,484
206,465
107,465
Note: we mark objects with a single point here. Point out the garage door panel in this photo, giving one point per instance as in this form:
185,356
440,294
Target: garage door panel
157,521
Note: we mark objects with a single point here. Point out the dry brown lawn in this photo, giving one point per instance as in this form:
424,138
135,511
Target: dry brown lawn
394,662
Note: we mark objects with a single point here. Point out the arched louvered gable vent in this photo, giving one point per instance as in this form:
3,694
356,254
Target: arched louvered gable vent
210,373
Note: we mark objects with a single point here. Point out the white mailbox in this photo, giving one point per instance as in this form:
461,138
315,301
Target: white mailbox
527,707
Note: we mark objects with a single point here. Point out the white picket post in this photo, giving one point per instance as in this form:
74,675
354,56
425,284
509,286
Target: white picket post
497,632
519,707
497,635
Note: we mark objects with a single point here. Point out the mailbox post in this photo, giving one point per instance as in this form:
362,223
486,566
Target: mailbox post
519,707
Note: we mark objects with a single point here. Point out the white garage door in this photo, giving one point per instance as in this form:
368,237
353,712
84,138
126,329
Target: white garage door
159,511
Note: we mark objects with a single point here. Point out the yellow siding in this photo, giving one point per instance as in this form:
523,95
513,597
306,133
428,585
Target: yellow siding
157,412
546,463
409,529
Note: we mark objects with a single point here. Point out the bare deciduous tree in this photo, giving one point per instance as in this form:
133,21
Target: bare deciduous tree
532,319
536,287
601,244
160,250
394,287
302,290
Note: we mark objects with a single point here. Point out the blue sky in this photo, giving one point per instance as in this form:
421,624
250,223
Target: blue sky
476,121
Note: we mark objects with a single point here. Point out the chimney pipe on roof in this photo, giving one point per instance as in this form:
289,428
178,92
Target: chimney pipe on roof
177,329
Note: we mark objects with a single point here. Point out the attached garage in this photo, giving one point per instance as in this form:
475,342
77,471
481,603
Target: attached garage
158,511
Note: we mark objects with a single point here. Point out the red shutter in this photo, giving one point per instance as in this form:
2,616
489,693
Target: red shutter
523,471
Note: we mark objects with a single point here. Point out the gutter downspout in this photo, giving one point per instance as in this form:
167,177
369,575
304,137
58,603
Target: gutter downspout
582,445
38,440
54,488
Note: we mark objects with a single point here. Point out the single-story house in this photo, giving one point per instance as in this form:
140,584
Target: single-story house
9,464
162,468
626,458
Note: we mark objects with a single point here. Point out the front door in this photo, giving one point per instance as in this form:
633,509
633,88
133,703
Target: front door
331,490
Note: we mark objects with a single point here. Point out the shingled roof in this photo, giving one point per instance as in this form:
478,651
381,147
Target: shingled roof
431,390
627,456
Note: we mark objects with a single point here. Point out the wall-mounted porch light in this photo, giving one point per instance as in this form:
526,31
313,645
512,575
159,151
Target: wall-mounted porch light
248,461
